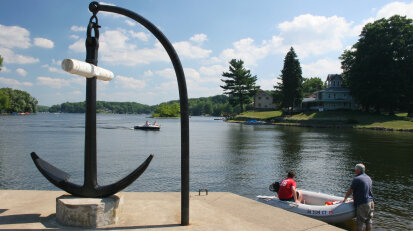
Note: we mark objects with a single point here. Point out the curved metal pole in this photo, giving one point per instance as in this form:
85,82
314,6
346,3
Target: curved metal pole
183,97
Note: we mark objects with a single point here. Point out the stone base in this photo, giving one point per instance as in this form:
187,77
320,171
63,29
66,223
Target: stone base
88,212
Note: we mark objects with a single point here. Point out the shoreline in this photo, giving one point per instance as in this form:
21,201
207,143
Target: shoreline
331,119
339,126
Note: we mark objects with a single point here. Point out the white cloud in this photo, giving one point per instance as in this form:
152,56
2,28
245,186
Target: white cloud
186,49
14,36
139,35
129,82
76,93
5,69
199,38
215,70
315,35
191,73
54,69
21,72
14,83
115,48
168,73
267,84
321,68
130,23
73,36
78,46
400,8
249,52
52,82
77,28
42,42
148,73
10,57
57,82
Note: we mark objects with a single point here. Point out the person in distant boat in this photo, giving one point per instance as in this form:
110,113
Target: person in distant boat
362,190
288,189
155,123
147,123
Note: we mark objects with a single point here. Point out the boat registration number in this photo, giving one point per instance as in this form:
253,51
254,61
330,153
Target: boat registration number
319,212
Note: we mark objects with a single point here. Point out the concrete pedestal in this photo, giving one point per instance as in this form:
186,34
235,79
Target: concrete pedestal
88,212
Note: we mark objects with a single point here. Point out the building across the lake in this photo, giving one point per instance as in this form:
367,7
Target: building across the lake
264,100
332,98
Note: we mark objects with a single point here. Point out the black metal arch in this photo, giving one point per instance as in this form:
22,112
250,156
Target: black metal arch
95,7
90,188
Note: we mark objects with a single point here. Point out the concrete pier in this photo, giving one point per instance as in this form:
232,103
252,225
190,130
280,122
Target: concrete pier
29,209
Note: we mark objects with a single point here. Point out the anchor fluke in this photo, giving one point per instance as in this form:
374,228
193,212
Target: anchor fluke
53,174
60,179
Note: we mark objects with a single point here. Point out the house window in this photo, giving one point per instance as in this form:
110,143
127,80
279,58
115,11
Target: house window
259,104
259,97
266,98
334,95
334,83
329,95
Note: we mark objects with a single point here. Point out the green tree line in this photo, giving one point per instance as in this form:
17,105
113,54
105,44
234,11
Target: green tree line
103,107
16,101
218,105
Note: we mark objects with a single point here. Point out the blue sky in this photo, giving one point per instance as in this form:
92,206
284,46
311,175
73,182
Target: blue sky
35,36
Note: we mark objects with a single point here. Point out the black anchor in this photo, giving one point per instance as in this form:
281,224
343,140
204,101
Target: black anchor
90,187
59,178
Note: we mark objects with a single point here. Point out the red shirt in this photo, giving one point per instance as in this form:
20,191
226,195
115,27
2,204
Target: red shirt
285,191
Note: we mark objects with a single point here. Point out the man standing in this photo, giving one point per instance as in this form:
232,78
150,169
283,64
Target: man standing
362,190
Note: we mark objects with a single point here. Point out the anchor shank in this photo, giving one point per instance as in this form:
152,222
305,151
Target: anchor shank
92,47
90,180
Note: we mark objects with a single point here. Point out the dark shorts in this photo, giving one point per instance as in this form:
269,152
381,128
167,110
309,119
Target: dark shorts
292,198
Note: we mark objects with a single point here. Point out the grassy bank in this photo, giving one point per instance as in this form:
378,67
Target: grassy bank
351,119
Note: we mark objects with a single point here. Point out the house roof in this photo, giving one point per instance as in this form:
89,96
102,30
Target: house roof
331,77
269,93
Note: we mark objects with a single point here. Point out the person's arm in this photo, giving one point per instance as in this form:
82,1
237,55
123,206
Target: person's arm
349,192
295,194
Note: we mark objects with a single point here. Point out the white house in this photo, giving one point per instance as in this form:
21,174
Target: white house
264,100
333,97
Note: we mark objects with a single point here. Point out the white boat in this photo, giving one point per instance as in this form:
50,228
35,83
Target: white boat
314,206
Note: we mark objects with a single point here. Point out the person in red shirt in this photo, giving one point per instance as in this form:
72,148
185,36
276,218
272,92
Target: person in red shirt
288,189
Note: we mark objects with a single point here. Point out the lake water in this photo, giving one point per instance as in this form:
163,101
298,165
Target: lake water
243,159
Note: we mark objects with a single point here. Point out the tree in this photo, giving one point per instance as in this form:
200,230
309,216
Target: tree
240,84
310,85
17,101
379,67
291,81
1,62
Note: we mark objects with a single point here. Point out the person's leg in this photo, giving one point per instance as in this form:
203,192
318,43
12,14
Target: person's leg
369,221
299,196
361,216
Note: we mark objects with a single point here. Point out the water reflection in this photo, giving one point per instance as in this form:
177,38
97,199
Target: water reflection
238,158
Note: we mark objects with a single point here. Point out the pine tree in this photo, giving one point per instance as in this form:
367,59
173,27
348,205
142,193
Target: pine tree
240,84
291,88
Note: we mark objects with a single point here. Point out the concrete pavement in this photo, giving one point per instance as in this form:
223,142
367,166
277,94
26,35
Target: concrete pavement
30,209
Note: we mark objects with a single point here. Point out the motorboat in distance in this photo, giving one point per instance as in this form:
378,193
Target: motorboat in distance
155,127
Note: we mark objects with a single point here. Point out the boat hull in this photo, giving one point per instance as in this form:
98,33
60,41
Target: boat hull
315,207
147,128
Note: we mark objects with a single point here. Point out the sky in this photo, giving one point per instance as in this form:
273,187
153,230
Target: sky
35,36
